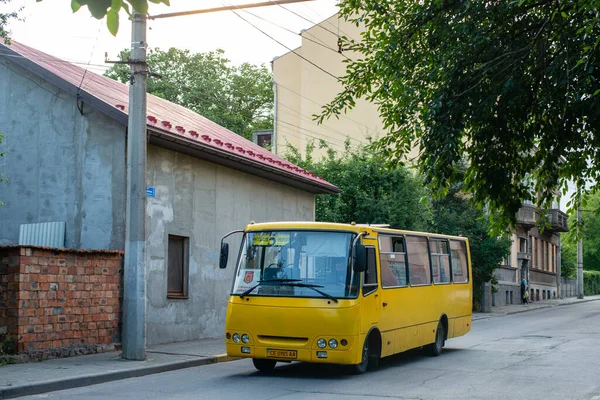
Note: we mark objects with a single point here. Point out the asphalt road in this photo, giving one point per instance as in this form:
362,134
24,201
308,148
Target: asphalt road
545,354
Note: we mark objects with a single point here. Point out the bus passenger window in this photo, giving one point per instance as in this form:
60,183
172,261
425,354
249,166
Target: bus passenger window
418,260
460,271
440,260
393,261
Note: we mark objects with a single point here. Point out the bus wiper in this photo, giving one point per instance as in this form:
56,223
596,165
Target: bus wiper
313,287
280,281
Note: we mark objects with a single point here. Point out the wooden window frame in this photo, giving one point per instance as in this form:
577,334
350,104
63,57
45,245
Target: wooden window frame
183,294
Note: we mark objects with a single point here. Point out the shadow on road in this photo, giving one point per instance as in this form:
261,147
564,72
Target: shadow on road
330,371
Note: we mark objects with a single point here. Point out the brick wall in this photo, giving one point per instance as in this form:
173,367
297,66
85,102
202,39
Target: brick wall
57,302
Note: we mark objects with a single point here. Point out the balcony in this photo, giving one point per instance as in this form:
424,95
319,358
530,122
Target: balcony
527,216
557,221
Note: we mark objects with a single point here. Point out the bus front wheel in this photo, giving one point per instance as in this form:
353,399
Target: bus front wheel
370,358
264,365
435,349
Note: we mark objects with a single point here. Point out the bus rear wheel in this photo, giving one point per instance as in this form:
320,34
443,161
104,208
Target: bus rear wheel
264,365
435,349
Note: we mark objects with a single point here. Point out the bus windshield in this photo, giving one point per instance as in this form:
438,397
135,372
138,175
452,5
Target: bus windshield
296,264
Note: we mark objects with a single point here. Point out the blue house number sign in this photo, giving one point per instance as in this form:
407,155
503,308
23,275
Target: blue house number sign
150,191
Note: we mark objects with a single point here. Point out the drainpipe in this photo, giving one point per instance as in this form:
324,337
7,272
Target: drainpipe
274,136
558,269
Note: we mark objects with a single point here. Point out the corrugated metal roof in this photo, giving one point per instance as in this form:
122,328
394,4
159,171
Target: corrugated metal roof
165,116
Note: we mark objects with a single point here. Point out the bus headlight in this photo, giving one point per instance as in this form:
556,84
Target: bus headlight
322,343
333,343
236,338
245,338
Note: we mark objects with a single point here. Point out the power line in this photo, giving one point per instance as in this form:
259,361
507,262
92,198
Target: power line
90,60
320,105
304,18
320,42
281,44
308,119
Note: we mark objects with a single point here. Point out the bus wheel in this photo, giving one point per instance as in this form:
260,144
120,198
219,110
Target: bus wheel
370,358
435,348
264,365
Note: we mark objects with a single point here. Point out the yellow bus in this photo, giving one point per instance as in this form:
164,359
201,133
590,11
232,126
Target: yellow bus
344,293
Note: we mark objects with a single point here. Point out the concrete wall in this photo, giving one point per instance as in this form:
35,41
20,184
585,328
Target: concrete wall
203,201
61,166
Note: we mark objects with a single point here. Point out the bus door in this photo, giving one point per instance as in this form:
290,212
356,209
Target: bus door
370,296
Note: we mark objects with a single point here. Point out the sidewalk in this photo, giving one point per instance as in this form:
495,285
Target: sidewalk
65,373
538,305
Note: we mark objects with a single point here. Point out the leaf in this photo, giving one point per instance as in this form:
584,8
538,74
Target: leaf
98,8
112,21
75,5
140,6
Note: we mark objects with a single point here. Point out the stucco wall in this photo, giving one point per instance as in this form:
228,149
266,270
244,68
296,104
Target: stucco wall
61,166
203,201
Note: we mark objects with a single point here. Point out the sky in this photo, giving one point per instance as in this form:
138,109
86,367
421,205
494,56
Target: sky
52,27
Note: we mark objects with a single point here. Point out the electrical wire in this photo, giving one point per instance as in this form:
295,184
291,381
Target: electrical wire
304,18
320,42
320,105
90,60
281,44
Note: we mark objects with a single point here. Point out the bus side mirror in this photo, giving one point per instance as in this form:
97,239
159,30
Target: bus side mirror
360,258
224,255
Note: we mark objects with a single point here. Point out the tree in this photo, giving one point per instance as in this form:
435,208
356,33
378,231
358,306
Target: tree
590,234
512,86
239,98
455,215
111,8
568,259
370,192
5,19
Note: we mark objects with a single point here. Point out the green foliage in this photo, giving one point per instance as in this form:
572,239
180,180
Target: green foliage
512,86
568,260
111,8
591,283
590,233
239,98
370,192
455,215
5,19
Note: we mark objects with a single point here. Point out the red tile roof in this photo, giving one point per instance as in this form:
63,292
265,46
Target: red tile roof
166,116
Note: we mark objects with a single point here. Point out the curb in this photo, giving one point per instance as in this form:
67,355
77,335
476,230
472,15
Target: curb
491,315
81,381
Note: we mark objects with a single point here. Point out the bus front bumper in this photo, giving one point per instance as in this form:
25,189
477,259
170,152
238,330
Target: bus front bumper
326,356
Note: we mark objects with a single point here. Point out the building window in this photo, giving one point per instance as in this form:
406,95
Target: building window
263,138
177,266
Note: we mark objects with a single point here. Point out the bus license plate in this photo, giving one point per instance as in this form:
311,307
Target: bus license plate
289,354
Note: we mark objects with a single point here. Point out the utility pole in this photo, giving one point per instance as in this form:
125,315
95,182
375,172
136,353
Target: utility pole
134,276
579,253
134,291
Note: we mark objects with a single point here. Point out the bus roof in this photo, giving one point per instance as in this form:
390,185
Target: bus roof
335,226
